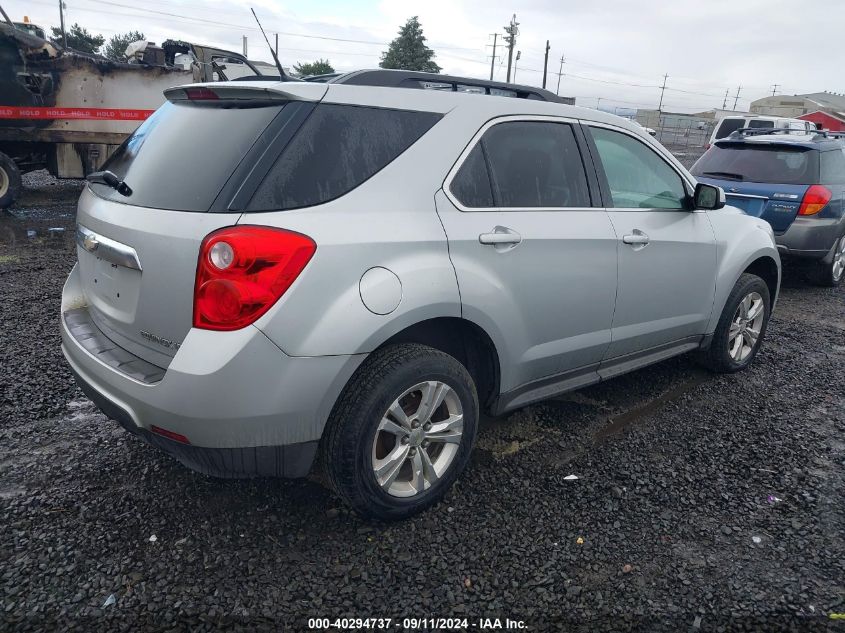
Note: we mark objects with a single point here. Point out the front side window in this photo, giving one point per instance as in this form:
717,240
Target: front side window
524,164
335,150
638,178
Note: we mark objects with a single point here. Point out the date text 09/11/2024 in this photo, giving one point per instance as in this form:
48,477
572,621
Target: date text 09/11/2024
416,624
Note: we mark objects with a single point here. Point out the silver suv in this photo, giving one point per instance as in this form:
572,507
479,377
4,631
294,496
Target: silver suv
271,270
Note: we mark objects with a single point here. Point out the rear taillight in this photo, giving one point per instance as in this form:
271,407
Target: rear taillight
201,94
815,200
243,270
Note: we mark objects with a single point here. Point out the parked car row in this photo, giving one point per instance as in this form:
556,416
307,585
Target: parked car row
360,271
794,181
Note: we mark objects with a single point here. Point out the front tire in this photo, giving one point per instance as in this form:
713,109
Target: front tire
401,431
741,327
10,181
831,274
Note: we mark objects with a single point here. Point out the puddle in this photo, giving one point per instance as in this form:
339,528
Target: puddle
619,423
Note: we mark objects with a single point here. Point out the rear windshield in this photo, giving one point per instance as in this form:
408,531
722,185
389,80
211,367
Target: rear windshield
761,163
336,149
182,155
758,124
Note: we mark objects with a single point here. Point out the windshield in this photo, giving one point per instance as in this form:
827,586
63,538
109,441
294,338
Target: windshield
182,155
761,163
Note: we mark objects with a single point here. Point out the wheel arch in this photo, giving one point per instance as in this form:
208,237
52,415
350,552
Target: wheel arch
463,339
767,269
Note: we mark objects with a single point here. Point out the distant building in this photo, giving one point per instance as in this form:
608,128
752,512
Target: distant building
656,119
833,121
795,106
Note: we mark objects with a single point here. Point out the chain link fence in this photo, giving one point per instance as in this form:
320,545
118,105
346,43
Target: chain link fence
687,140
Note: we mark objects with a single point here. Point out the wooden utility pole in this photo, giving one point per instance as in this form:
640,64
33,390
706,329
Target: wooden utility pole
62,22
662,90
493,56
725,100
775,88
736,99
546,64
512,31
560,74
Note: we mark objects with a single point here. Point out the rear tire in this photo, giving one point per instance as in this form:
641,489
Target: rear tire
741,327
830,274
386,454
10,181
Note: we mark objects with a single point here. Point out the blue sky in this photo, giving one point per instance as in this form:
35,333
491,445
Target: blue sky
616,50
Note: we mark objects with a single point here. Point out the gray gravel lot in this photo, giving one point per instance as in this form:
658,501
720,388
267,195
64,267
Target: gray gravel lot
704,502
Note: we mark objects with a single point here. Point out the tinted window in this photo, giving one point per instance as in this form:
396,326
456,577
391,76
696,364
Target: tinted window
182,155
636,175
535,164
833,167
757,124
471,185
729,125
334,151
761,163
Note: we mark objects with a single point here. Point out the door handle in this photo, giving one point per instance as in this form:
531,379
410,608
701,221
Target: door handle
636,238
500,235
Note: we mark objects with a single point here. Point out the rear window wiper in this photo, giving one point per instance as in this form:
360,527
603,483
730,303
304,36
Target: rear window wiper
724,174
110,179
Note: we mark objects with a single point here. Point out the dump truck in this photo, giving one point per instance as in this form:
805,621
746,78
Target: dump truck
68,111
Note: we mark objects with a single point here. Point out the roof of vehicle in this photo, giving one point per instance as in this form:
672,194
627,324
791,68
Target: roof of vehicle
821,140
759,117
442,101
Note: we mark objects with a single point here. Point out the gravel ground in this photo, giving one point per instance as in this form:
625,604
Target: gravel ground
705,503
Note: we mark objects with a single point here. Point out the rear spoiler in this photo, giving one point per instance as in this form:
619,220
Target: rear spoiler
227,92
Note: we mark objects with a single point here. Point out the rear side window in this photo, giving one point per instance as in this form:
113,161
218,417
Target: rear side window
833,167
529,164
729,125
182,155
780,164
336,149
757,124
471,184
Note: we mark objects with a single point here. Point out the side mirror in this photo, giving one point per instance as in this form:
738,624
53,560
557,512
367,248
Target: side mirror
708,197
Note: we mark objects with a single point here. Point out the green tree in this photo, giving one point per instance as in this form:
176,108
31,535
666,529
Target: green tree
319,67
78,38
116,48
409,51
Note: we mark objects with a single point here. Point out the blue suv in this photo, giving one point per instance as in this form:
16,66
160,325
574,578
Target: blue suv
796,182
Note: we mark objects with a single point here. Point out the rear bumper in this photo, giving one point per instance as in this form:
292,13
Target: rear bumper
810,237
245,406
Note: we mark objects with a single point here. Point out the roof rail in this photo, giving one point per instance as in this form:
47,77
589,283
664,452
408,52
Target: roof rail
818,135
433,81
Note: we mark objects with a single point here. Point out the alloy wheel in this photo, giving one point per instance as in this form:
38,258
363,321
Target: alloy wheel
417,439
746,326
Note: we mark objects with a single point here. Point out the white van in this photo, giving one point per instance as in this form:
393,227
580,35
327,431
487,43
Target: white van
733,123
